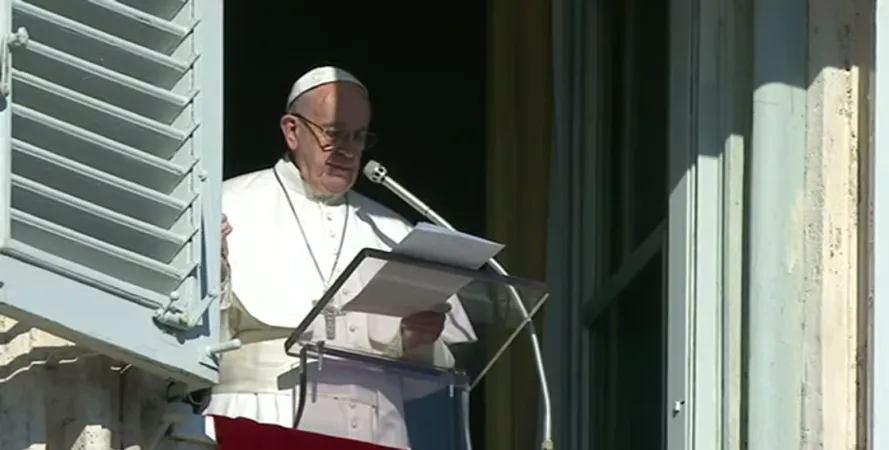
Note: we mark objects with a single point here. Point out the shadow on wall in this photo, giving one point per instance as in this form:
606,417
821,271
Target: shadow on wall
64,397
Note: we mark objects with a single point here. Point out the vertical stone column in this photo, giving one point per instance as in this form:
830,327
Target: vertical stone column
803,326
832,224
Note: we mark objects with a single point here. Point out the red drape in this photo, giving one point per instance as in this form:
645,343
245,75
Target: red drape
245,434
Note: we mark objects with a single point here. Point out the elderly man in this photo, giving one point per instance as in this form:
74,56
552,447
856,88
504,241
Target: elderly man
293,229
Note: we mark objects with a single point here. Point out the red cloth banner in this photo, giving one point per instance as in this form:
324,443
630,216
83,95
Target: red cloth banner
245,434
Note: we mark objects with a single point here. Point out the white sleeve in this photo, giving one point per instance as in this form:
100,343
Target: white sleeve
458,328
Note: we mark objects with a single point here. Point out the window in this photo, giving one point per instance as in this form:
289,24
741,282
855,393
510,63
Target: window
625,316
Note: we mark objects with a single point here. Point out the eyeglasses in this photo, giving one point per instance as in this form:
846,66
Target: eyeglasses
338,138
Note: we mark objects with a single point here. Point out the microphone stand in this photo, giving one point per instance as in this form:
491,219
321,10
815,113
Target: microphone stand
377,173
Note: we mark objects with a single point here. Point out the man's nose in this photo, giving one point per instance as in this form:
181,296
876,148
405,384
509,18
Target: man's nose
348,153
352,148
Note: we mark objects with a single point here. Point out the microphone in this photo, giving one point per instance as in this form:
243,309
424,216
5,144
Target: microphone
377,173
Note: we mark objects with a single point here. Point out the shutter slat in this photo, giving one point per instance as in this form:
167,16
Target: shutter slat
97,116
101,83
122,21
95,221
99,47
98,151
165,9
106,263
83,181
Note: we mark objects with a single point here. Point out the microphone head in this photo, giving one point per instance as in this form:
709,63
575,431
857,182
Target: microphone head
375,171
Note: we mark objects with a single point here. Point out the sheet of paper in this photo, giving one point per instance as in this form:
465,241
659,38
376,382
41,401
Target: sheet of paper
435,243
399,289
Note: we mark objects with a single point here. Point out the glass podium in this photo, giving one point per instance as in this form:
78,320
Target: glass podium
419,394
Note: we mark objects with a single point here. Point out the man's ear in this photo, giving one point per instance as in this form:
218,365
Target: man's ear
288,130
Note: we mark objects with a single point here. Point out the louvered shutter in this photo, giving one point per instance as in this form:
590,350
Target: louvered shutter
111,145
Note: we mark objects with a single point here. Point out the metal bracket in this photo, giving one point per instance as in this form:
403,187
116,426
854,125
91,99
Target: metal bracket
173,317
319,349
18,39
183,319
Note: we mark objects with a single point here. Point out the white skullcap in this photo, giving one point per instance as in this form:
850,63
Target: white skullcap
318,76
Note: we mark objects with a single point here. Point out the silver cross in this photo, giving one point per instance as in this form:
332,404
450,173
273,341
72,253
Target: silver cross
330,313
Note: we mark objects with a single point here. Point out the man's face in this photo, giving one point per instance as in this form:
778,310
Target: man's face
326,133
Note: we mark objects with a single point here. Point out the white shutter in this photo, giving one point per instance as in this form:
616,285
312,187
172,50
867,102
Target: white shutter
110,176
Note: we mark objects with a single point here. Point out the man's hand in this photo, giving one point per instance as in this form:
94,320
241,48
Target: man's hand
423,328
226,230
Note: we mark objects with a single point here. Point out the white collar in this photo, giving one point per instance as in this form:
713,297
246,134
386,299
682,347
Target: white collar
294,182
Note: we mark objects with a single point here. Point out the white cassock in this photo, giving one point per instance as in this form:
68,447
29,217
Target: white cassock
274,282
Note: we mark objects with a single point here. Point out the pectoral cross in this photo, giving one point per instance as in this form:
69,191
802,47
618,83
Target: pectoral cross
330,314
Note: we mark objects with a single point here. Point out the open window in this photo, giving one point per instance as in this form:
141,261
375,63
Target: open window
110,177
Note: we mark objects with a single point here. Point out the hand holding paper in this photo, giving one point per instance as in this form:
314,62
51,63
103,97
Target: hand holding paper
422,328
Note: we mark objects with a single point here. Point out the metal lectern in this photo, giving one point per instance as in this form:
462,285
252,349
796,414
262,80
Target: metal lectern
433,383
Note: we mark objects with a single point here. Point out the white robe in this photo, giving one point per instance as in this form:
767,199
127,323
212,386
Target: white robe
274,282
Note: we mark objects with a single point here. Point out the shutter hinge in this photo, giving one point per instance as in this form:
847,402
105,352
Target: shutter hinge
184,319
18,39
173,317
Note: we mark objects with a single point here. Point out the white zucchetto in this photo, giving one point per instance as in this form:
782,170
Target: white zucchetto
318,76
